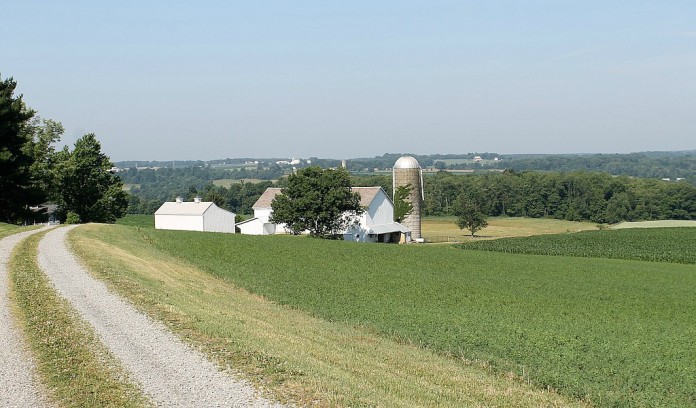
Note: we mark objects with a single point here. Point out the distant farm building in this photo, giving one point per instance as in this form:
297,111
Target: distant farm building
194,215
375,224
260,224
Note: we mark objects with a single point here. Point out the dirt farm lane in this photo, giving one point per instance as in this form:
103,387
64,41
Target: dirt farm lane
169,372
18,384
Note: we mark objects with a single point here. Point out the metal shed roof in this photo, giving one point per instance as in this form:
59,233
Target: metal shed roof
187,208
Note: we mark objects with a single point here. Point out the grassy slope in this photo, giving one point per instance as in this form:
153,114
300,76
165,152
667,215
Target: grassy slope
609,331
73,364
9,229
297,357
676,245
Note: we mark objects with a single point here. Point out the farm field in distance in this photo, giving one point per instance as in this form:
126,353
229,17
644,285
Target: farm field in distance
610,332
676,245
434,228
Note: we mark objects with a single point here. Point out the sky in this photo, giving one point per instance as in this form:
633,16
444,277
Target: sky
203,80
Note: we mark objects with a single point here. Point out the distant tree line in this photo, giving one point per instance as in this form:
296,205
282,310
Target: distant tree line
574,196
33,174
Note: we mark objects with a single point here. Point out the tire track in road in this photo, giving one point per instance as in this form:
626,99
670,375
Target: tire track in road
19,386
170,372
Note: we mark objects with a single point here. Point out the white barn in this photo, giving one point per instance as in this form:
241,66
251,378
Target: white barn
194,216
375,224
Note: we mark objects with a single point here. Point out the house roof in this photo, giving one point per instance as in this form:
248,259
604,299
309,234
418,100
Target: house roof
265,200
367,194
185,208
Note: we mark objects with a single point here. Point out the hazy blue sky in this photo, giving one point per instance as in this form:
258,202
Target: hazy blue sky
204,80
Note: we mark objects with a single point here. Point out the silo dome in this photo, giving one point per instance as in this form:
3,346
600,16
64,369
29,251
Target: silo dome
406,162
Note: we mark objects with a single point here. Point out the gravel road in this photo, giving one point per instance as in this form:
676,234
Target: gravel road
170,372
18,386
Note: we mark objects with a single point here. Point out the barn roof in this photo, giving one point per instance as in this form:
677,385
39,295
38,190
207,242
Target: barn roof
367,194
185,208
265,200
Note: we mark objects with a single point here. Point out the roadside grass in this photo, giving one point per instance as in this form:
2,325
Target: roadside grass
292,355
9,229
75,367
499,227
677,245
610,332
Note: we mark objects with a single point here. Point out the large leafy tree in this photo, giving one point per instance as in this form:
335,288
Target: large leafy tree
87,187
470,210
316,200
17,187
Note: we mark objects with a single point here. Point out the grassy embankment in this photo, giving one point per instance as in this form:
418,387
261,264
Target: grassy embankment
9,229
499,227
72,363
293,355
612,332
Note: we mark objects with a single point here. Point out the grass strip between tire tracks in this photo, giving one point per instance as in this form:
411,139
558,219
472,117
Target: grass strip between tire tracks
75,367
294,357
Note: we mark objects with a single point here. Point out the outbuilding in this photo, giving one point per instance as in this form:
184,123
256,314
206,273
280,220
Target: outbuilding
194,216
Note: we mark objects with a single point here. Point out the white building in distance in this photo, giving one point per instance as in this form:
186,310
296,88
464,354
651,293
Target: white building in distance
375,224
194,216
260,224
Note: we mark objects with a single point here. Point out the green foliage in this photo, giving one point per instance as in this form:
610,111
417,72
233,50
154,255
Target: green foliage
613,332
72,218
87,187
402,205
316,200
576,196
16,181
676,245
470,210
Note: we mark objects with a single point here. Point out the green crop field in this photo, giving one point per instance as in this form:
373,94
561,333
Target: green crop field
137,220
676,245
610,332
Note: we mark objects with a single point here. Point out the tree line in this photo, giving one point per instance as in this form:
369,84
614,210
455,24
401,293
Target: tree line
573,196
33,173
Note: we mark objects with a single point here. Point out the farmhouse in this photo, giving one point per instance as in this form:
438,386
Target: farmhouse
194,216
260,224
375,224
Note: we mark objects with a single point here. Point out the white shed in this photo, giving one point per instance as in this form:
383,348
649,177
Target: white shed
194,216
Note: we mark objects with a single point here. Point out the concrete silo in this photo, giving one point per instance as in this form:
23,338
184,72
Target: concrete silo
407,171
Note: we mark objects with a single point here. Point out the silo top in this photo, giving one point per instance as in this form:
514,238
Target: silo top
406,162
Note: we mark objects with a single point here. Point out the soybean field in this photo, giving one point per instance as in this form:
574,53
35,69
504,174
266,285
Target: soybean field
677,245
612,332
